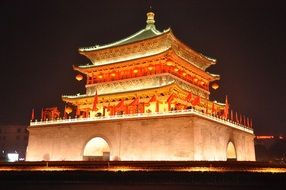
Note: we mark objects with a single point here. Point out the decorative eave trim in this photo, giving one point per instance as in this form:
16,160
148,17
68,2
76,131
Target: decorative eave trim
85,68
206,60
123,41
83,96
169,88
166,53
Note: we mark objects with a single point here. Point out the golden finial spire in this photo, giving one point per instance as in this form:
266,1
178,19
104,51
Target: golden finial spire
150,19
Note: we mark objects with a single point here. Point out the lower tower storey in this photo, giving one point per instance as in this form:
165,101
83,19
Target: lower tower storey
177,135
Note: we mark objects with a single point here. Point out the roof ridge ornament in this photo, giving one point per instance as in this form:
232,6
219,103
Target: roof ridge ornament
150,20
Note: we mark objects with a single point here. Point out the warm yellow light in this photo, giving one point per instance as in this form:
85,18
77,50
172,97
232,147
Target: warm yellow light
169,63
135,71
184,74
96,147
68,110
112,74
202,82
196,80
176,69
265,137
230,151
79,77
150,68
100,77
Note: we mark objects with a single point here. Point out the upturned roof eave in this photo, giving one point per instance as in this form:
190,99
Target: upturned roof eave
211,61
104,94
146,33
83,67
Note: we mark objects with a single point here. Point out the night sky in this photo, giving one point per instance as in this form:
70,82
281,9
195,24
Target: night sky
40,41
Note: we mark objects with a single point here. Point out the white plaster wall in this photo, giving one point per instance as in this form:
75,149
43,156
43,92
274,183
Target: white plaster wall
161,139
211,141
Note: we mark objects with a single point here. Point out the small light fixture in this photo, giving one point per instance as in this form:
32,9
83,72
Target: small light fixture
112,74
150,68
135,71
99,76
176,69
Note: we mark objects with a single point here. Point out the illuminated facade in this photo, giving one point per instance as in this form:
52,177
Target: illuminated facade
147,98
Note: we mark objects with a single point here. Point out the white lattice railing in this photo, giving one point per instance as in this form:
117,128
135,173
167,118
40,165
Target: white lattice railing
144,115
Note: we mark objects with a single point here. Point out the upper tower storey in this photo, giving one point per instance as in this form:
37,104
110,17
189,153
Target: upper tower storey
143,44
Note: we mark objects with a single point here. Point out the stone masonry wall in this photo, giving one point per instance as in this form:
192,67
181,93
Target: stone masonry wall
184,137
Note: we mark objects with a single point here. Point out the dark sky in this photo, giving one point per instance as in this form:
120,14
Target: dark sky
40,41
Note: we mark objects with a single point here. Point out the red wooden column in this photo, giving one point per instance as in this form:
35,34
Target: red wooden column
157,106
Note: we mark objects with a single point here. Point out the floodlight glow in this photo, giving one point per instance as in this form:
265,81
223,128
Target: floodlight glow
12,157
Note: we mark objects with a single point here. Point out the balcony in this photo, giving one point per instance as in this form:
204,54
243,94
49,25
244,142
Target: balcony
227,122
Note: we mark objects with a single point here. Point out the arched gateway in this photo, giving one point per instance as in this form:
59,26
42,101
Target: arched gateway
96,149
231,152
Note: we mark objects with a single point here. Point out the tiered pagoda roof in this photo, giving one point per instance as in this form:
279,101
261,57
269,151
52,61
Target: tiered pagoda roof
149,72
146,48
146,42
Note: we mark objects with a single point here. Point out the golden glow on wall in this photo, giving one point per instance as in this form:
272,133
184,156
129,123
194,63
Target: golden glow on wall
169,63
230,151
150,68
96,147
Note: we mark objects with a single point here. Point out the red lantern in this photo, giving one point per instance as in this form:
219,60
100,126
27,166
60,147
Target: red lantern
215,86
68,110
